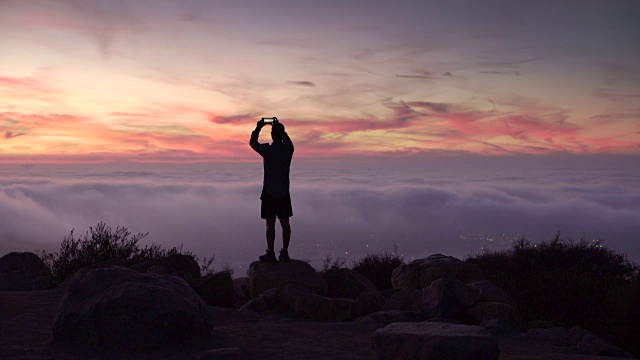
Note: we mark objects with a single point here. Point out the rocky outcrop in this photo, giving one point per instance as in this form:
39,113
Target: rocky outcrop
347,283
305,302
443,286
264,276
120,308
23,271
421,273
448,298
216,289
184,266
432,340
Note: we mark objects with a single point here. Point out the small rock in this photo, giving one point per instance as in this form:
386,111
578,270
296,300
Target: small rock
431,340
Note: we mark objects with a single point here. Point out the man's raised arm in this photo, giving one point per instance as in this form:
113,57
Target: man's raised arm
253,142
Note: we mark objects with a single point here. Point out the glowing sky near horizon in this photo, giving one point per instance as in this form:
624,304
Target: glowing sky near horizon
186,80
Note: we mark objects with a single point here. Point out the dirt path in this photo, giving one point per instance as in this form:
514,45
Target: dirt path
26,319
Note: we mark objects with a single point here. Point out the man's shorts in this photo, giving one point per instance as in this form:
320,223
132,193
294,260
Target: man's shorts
273,207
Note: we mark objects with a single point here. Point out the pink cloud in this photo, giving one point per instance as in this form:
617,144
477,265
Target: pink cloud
15,87
234,119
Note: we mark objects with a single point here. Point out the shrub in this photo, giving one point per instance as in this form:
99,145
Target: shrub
99,244
378,268
576,283
330,264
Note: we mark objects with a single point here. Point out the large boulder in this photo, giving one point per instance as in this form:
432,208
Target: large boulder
216,289
421,273
123,309
81,272
347,283
23,271
264,276
306,302
184,266
433,340
448,298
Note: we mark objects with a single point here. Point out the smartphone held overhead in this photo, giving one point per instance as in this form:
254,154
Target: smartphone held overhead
270,120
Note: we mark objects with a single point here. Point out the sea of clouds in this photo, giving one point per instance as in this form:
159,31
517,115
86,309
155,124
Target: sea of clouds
456,207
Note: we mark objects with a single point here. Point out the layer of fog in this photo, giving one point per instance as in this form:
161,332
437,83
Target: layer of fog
339,209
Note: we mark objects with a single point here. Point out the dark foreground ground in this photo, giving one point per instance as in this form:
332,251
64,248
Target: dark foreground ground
26,319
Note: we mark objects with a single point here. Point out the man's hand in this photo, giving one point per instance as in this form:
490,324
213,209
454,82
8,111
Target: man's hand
260,124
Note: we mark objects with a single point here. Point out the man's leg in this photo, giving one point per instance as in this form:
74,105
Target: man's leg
286,232
271,233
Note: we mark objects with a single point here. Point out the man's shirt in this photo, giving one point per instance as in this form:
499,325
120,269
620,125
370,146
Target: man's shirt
276,159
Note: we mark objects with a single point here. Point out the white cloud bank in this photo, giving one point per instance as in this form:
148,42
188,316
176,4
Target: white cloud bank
338,209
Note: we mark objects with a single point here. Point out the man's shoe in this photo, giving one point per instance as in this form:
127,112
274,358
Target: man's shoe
269,257
284,256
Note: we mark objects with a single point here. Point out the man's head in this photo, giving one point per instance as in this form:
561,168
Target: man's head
277,131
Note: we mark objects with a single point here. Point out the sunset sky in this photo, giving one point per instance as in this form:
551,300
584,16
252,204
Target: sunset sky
162,80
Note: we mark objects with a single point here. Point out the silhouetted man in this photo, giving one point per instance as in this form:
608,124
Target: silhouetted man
276,201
